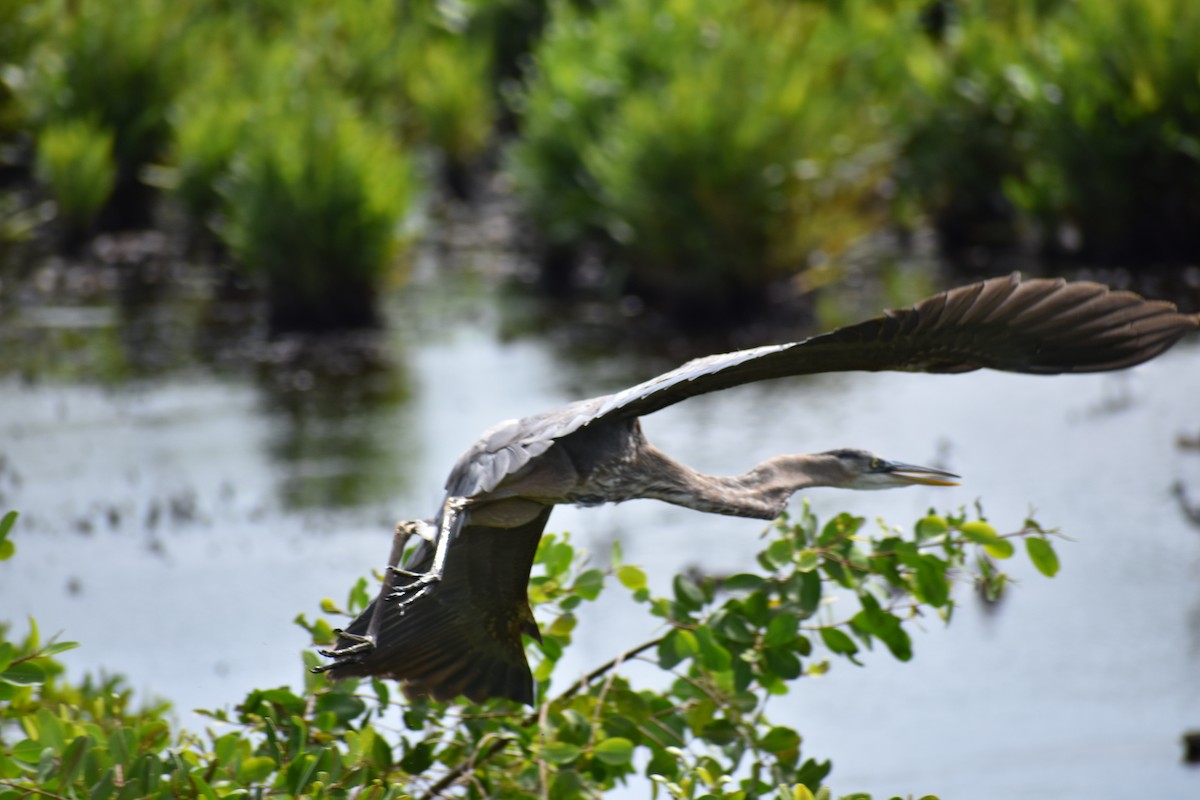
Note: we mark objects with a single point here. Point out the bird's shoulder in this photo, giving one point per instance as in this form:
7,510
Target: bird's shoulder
509,445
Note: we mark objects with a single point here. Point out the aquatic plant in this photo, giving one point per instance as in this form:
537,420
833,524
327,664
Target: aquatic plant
75,162
711,146
316,200
119,65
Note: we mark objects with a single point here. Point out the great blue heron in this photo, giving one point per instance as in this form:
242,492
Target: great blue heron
450,622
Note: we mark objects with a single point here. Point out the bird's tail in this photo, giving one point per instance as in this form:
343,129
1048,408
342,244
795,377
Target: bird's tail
464,636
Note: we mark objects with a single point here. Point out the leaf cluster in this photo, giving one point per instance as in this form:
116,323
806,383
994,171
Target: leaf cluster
825,594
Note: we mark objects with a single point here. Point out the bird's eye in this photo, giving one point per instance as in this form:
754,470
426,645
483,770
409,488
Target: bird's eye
874,463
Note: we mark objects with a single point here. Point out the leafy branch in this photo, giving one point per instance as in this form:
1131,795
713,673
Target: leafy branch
728,644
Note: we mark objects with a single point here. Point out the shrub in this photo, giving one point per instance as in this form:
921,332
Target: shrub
727,647
1116,175
75,160
713,145
968,132
22,25
316,198
211,115
1067,125
120,66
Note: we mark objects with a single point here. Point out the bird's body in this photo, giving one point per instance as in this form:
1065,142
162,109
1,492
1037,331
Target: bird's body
450,622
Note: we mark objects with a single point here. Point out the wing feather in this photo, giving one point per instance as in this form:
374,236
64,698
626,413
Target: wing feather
1036,326
464,637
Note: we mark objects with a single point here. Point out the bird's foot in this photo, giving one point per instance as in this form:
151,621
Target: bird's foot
361,644
423,583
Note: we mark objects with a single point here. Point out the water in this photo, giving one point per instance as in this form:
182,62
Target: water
175,521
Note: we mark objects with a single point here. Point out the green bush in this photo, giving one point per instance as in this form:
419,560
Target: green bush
712,145
968,132
418,67
1069,126
119,65
210,115
450,98
728,645
22,25
1116,175
315,203
75,160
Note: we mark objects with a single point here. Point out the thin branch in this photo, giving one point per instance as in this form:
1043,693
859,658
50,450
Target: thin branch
609,665
40,792
457,773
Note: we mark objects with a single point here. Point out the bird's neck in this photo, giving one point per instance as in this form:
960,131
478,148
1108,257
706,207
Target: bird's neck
761,493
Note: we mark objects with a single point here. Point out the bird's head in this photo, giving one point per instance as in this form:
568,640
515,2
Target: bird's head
860,469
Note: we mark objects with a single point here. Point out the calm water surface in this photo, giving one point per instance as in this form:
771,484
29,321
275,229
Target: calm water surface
176,523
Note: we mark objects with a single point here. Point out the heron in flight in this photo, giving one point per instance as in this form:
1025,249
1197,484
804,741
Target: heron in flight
450,621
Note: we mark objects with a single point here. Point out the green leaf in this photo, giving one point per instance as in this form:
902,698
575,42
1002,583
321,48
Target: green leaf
931,583
777,555
743,582
782,663
884,625
28,751
344,706
255,769
688,594
712,655
1042,554
24,673
418,758
54,648
805,588
676,646
615,751
783,743
7,522
1001,548
631,577
808,560
719,732
930,526
561,753
7,548
982,533
839,642
781,630
979,532
731,625
589,584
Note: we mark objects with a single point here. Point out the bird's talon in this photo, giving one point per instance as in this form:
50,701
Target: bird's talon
361,644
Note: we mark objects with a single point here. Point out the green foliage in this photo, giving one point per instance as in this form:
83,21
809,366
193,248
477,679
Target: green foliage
7,548
1118,131
316,198
825,593
1073,121
22,25
75,160
119,68
713,144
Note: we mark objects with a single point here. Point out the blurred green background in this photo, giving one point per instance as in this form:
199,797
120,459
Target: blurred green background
704,160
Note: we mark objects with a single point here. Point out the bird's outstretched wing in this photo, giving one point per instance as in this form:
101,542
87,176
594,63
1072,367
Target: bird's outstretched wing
1042,327
463,638
1036,326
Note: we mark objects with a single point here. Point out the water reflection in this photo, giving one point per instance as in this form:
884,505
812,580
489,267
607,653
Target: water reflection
339,432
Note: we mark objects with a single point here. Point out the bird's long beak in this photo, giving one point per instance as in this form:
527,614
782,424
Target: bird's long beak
913,474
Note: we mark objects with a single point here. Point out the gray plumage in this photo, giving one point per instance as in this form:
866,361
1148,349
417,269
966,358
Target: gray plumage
461,634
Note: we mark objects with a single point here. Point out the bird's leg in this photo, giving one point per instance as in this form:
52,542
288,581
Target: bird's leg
366,642
423,582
